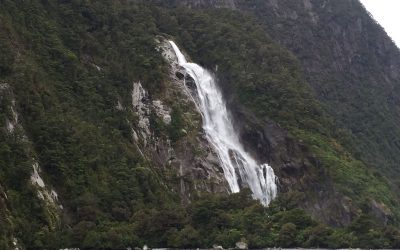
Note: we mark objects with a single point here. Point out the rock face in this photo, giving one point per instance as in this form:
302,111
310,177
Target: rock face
43,192
199,164
162,111
241,245
191,161
140,105
381,211
47,195
217,247
298,170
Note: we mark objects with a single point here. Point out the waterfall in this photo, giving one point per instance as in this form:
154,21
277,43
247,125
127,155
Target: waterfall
240,169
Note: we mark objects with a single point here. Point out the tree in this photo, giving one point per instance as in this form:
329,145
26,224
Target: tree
287,235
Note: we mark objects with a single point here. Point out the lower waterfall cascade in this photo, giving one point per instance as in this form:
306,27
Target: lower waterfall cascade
240,168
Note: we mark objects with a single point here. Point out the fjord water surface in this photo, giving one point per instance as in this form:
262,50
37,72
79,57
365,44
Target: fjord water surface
240,168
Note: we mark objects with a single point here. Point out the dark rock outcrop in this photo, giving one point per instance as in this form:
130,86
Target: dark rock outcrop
298,170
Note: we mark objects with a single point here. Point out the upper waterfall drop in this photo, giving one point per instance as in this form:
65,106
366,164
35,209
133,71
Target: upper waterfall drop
240,169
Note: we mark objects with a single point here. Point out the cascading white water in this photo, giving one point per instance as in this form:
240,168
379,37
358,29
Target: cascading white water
240,169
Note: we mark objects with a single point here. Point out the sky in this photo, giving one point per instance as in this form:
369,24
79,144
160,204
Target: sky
387,14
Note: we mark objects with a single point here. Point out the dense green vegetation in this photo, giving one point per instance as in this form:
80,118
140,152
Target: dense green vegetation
221,220
267,79
68,63
359,84
67,109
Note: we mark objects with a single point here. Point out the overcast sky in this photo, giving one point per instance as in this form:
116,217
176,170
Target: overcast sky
387,13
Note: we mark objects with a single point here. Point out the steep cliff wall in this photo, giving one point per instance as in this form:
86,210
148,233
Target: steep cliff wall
348,60
351,64
169,132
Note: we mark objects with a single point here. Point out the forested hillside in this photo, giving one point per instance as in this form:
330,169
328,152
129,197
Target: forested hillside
351,64
101,148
